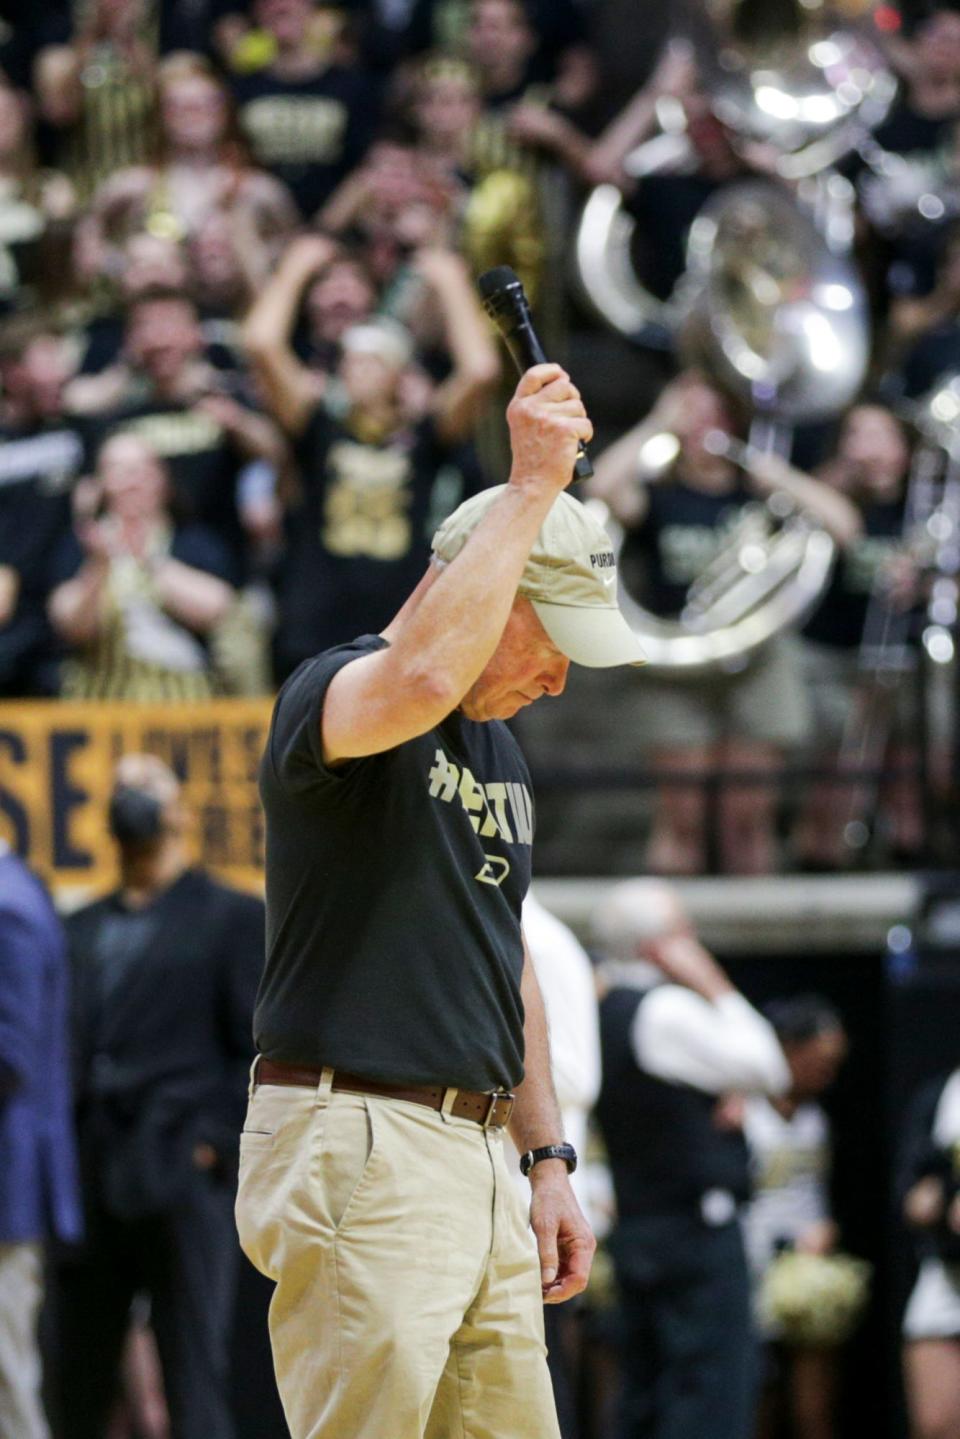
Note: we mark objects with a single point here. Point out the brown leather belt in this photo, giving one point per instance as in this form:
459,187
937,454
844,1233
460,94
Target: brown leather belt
491,1109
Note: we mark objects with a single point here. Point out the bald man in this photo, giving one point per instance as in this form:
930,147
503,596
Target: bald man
165,974
676,1038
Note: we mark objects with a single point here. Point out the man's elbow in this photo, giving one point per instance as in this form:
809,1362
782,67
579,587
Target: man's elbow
433,695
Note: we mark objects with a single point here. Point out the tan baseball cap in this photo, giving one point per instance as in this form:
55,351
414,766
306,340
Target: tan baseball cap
570,578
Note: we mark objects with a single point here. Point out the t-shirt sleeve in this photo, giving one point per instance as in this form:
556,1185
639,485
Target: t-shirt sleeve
295,746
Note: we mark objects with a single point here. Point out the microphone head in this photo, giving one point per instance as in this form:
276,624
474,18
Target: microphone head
494,282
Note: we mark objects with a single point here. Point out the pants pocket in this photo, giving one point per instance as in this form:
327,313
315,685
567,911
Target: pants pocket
347,1158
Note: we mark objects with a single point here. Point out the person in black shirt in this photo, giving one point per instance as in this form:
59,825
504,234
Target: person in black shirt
165,970
861,653
307,118
41,455
678,518
677,1040
374,480
397,1008
193,415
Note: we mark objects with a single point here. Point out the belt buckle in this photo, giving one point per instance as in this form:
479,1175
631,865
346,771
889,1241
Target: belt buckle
495,1097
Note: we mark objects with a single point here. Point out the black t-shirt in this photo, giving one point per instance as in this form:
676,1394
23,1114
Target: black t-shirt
680,534
163,1000
934,354
360,540
906,130
394,887
839,618
309,133
38,467
37,470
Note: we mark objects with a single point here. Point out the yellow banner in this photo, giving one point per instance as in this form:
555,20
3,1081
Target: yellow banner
56,765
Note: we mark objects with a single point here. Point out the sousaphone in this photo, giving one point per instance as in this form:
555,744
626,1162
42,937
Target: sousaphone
771,307
780,322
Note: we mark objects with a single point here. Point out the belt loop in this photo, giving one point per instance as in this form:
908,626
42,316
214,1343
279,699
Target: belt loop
253,1077
449,1100
325,1085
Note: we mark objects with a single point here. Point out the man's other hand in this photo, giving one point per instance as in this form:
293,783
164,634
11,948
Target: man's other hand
564,1240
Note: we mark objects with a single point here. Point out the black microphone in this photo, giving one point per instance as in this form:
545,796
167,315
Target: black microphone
504,301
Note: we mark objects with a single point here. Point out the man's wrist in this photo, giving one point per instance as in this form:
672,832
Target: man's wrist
558,1156
549,1172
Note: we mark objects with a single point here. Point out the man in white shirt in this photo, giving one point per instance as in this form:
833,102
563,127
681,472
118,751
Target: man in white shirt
567,983
677,1037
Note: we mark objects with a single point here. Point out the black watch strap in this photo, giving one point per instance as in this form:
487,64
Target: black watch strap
566,1152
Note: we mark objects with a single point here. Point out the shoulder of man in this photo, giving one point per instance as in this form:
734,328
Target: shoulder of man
294,749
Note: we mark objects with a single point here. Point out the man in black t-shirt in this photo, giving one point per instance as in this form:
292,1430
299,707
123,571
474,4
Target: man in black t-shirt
308,118
197,418
164,973
398,1009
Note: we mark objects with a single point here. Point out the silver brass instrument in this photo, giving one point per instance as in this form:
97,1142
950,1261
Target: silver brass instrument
780,321
768,576
770,306
813,96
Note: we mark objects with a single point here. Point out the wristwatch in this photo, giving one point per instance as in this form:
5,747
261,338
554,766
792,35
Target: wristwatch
566,1152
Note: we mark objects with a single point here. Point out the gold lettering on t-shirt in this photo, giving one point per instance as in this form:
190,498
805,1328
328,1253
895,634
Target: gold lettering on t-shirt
189,432
444,778
495,870
486,804
295,129
365,511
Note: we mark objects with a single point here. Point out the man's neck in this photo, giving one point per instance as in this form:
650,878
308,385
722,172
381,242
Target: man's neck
145,876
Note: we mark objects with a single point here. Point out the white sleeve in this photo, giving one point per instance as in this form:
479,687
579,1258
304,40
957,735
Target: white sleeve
683,1038
570,1002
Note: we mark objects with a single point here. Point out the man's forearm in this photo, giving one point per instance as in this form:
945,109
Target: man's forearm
272,316
536,1120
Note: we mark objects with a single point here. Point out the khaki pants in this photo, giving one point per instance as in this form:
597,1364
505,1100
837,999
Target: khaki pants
408,1298
21,1294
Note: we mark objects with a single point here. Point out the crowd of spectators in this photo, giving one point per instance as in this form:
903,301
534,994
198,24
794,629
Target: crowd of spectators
243,371
243,376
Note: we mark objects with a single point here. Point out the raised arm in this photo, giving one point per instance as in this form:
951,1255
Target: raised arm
837,514
443,637
193,597
675,76
290,388
75,607
476,366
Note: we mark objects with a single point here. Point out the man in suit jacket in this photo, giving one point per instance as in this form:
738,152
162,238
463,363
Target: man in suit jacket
165,973
38,1182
